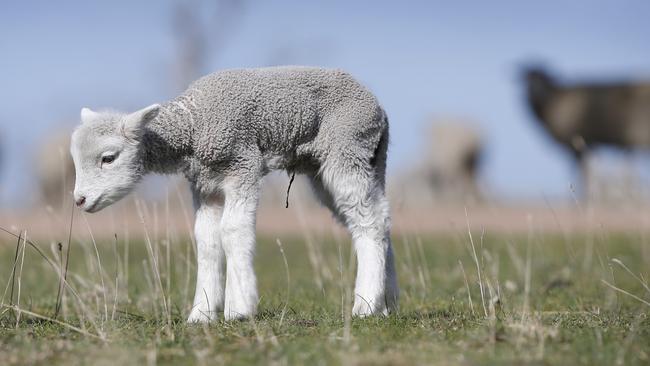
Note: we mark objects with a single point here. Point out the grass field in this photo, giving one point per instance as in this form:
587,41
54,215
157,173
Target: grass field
537,299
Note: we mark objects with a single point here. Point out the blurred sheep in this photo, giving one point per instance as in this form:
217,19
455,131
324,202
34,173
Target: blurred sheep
448,167
454,156
583,116
54,169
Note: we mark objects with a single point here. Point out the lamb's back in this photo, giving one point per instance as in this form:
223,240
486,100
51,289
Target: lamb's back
276,89
277,109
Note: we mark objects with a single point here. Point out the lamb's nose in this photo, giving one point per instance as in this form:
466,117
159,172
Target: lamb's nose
80,201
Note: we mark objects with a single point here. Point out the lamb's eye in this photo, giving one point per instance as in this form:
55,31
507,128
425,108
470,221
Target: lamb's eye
107,159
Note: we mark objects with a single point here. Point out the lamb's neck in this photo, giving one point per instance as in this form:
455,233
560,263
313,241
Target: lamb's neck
167,140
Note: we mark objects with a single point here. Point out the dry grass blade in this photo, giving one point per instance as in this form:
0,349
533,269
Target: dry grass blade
154,263
478,265
20,275
286,268
469,293
49,261
100,269
61,292
117,277
13,275
625,292
641,280
43,317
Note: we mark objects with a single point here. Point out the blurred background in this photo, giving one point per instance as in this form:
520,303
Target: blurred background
492,105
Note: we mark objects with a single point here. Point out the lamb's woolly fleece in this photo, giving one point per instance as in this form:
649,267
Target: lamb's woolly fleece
245,122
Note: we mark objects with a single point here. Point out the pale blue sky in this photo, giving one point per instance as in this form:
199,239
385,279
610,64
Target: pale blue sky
421,58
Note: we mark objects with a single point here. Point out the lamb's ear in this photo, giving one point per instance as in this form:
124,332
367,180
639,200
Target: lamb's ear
88,115
135,122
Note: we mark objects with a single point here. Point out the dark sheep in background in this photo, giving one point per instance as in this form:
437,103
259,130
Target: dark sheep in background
584,116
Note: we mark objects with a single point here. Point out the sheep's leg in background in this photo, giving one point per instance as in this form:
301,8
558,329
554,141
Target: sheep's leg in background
579,149
238,238
360,200
631,184
209,293
583,189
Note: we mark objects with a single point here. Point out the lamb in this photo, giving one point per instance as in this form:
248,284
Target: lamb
582,117
224,133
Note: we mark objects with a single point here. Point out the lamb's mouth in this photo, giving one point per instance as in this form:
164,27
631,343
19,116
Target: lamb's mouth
92,207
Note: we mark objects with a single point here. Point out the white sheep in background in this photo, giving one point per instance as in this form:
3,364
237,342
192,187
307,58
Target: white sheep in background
225,133
453,159
447,168
54,169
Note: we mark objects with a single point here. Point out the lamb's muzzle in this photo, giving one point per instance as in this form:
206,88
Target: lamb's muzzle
80,201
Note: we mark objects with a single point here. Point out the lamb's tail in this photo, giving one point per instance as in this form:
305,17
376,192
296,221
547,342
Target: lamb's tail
381,152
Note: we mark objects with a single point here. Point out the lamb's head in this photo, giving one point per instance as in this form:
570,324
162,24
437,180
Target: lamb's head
107,153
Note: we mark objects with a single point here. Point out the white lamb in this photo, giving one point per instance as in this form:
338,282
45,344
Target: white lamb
225,133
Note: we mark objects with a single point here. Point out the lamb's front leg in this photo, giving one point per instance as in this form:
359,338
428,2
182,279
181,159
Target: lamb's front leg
209,293
238,238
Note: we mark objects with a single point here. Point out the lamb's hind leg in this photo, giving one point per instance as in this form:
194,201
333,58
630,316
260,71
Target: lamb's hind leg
359,199
209,293
238,238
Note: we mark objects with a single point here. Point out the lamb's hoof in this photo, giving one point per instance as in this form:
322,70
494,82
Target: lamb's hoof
202,317
364,309
392,300
238,316
240,308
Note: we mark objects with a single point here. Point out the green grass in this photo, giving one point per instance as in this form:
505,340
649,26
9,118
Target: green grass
544,296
